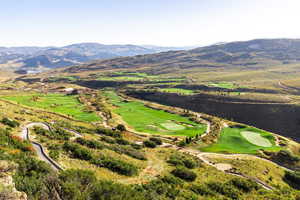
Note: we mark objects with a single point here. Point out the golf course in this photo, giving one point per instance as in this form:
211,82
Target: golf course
148,120
59,103
243,140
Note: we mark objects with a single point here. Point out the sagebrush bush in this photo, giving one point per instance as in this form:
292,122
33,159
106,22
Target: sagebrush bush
184,174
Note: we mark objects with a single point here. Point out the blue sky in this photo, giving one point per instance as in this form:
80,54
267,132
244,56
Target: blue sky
156,22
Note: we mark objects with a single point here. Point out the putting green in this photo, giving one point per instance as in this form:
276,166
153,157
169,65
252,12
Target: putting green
256,139
172,126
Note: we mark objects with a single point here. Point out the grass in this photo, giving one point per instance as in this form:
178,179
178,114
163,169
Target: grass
256,139
59,103
177,90
231,141
136,76
148,120
225,85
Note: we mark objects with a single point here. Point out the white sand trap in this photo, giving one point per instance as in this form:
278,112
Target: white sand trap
172,126
256,139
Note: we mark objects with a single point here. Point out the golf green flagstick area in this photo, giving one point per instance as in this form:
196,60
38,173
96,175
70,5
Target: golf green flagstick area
243,140
148,120
256,139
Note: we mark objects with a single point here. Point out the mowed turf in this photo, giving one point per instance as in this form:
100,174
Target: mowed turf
225,85
148,120
67,105
232,141
177,90
256,139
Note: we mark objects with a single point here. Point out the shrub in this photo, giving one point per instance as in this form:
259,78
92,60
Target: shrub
244,184
9,122
30,175
76,183
54,154
202,190
121,127
115,165
149,144
129,151
108,140
293,178
57,133
136,146
226,189
122,141
184,174
182,143
104,190
183,160
77,151
108,132
156,140
172,180
90,143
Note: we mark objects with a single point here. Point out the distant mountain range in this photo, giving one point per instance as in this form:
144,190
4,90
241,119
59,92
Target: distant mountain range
38,58
247,55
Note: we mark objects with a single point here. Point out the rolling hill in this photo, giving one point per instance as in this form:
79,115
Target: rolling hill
39,58
260,54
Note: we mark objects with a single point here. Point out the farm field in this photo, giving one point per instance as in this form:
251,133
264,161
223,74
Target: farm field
148,120
59,103
243,140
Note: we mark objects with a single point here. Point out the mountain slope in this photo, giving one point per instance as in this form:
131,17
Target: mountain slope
31,58
276,56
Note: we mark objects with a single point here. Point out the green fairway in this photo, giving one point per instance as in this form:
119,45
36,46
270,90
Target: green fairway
225,85
232,141
148,120
68,105
177,90
136,76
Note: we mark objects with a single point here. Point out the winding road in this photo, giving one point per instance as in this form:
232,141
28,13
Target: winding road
37,146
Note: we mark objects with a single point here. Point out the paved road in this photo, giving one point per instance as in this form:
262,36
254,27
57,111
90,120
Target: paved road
38,147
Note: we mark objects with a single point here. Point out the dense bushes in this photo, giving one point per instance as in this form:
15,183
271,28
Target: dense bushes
156,140
75,183
167,187
184,174
108,132
202,190
224,189
244,184
183,160
90,143
231,189
54,154
293,178
149,144
15,142
77,151
129,151
9,122
114,165
108,140
57,133
30,175
122,141
118,166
